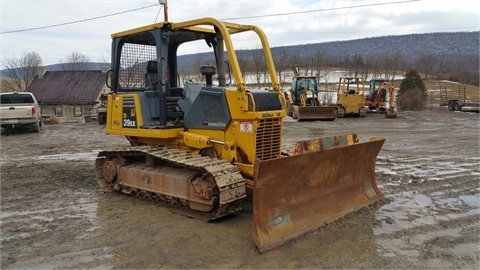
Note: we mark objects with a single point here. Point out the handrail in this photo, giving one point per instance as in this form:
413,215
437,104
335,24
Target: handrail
226,29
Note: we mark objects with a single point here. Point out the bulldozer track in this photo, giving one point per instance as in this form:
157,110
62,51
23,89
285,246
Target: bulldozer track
230,182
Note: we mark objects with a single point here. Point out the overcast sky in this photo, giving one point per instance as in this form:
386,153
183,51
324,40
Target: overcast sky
85,25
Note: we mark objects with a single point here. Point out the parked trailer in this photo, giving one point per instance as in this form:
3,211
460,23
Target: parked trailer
458,104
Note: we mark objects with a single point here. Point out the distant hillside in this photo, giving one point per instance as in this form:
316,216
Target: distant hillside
447,45
444,45
458,44
58,67
91,66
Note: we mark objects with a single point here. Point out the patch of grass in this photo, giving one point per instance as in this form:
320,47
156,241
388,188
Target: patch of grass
50,120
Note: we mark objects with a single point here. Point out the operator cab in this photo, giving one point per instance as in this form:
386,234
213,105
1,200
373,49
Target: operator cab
306,86
374,88
145,62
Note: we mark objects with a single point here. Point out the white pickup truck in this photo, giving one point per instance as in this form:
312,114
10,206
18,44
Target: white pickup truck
19,111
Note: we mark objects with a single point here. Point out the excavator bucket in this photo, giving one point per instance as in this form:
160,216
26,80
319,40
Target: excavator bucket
327,113
324,180
390,113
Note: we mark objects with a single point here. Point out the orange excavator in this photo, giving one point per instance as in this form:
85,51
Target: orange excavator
376,99
205,148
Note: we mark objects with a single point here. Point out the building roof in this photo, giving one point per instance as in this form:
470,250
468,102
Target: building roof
68,87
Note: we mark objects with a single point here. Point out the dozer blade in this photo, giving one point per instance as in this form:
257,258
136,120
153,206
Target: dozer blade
326,113
303,192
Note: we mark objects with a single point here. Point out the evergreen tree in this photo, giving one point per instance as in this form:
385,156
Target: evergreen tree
412,94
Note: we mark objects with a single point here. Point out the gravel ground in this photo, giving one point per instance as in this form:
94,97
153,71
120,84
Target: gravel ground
53,214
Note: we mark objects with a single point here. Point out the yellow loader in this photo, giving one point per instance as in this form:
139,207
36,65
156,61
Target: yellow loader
303,100
204,148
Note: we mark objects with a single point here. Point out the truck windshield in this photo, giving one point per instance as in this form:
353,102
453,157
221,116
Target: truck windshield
16,98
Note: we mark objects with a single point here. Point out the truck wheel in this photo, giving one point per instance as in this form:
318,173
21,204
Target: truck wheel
451,106
458,107
36,127
102,120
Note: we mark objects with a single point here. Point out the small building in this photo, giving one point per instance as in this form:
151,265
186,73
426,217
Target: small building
70,96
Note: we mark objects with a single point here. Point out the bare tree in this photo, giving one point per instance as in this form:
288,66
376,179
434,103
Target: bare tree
259,64
372,63
364,69
425,64
282,63
20,72
243,58
387,65
355,63
75,61
462,69
296,59
398,63
383,65
320,64
194,68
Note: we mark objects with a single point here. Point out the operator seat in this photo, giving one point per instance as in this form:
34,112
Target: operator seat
151,77
174,113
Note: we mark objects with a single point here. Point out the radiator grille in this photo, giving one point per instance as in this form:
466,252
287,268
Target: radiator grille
268,140
128,101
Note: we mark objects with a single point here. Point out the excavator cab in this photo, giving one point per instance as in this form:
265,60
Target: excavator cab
374,90
380,98
203,145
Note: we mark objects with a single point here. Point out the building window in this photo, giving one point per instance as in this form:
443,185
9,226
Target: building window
77,110
58,111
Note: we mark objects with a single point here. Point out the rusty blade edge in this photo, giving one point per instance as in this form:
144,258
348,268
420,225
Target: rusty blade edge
265,246
313,193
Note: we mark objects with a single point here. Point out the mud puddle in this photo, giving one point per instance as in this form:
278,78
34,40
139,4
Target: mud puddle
53,214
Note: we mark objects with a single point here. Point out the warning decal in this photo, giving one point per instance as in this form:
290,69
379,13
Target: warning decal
246,126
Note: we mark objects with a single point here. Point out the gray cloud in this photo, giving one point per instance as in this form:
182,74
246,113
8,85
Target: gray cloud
333,21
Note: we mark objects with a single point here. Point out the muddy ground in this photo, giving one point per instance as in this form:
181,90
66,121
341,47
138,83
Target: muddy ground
53,215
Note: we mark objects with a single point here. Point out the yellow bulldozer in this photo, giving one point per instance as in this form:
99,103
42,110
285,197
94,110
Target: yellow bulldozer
304,102
350,97
206,148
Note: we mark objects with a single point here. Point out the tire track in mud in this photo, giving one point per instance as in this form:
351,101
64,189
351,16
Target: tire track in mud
440,245
418,170
434,203
82,141
428,170
41,201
